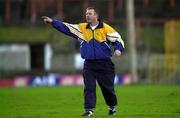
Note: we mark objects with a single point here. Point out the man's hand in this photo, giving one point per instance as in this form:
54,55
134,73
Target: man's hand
46,19
117,53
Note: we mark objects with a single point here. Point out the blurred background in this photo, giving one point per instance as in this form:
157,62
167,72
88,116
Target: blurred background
32,53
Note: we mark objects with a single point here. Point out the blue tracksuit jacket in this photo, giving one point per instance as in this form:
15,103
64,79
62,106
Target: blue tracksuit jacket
95,44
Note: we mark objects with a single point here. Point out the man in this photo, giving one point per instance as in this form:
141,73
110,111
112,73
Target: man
95,37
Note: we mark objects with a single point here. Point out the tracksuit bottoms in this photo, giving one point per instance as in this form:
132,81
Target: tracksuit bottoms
103,72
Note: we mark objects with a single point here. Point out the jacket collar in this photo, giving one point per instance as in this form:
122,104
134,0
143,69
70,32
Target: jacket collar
100,25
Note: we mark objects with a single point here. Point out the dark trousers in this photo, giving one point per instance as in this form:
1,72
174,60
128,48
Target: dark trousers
103,71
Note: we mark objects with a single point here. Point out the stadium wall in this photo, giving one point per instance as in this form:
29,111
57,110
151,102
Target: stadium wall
54,80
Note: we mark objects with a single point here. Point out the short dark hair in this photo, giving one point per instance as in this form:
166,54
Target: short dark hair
95,9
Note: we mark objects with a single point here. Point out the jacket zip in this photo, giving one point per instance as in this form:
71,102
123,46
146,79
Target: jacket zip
93,45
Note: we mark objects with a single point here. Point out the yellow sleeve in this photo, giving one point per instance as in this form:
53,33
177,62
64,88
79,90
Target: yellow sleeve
112,34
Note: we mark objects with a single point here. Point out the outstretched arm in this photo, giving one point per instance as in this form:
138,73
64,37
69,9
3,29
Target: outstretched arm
60,26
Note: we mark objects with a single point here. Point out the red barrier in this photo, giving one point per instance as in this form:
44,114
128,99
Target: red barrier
6,83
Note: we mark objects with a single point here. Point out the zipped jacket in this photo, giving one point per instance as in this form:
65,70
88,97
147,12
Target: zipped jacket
95,44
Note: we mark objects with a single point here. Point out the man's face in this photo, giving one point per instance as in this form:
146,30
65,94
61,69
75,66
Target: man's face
91,16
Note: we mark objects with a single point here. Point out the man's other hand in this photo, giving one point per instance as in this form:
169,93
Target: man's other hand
117,53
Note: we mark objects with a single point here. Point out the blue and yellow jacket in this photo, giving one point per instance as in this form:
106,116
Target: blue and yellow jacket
95,44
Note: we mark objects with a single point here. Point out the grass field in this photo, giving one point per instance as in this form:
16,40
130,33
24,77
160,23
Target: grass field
67,102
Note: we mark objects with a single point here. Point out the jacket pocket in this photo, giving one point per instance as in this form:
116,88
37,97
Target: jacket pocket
86,51
103,50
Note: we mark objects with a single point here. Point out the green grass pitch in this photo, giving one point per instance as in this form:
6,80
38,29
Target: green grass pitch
67,102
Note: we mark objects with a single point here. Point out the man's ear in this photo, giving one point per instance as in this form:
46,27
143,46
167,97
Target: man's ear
97,15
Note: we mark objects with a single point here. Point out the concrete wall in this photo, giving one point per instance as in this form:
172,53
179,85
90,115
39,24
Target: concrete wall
14,57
